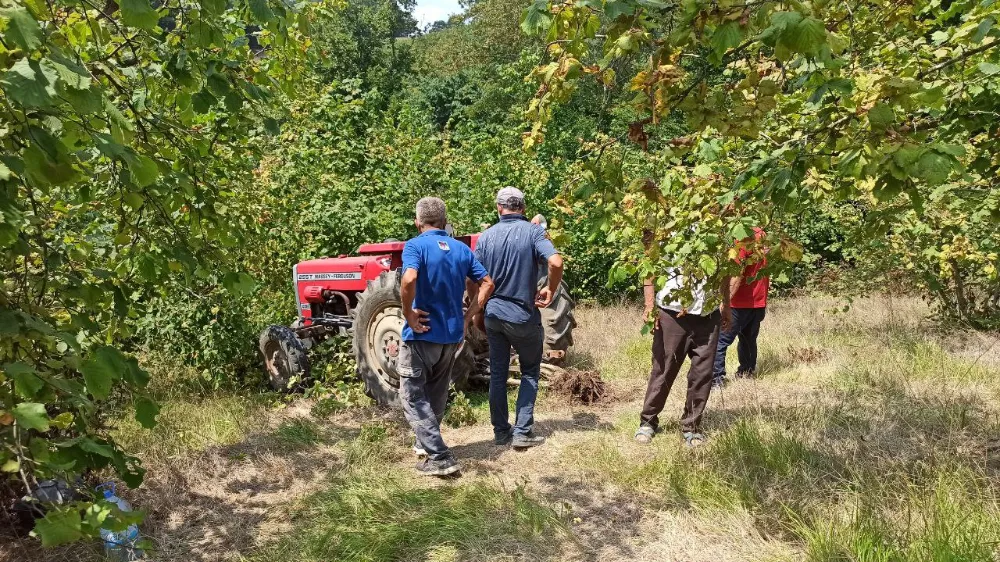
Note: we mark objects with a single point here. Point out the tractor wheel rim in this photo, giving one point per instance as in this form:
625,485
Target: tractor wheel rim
272,359
384,341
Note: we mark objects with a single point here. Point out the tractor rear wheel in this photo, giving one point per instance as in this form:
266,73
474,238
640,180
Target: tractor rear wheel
284,357
558,321
378,326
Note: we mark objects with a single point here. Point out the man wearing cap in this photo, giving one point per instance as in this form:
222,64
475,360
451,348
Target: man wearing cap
511,251
433,287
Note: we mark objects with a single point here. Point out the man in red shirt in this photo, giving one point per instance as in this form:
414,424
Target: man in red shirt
749,304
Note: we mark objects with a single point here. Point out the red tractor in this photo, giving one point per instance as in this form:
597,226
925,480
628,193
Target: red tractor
358,297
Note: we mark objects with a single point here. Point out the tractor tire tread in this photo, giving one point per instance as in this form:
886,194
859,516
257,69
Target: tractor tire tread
292,348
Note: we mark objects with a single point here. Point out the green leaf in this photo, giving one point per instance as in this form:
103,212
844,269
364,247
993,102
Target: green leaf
984,29
881,116
952,149
30,83
31,415
238,283
203,101
739,232
22,29
71,74
708,265
143,168
26,382
60,526
107,145
906,155
261,11
933,167
213,7
536,18
85,101
233,102
726,36
615,8
139,13
218,84
781,22
134,374
146,411
105,366
96,447
988,68
807,37
12,465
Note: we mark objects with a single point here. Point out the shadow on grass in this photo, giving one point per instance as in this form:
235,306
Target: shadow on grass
604,523
372,514
220,501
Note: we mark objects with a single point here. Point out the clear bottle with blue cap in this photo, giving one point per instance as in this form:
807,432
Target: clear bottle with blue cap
120,545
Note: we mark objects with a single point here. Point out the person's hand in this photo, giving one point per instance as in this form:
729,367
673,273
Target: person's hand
418,321
727,317
544,298
467,322
648,314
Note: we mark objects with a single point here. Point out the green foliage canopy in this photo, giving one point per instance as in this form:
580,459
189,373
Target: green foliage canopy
124,131
786,107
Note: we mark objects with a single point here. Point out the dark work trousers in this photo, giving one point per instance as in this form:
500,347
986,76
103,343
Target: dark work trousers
424,377
527,340
746,326
674,339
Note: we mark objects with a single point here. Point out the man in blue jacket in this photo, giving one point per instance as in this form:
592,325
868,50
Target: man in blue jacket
435,269
511,251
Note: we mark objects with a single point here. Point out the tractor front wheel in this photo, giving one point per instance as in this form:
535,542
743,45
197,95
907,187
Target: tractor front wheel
285,357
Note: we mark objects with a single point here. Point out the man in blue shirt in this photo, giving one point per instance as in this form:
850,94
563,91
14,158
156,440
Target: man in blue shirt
435,269
511,251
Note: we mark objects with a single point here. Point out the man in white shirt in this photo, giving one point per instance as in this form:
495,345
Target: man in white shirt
683,327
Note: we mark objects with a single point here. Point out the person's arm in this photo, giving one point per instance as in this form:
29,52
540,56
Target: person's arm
725,307
649,299
544,298
479,292
479,287
417,319
547,251
734,285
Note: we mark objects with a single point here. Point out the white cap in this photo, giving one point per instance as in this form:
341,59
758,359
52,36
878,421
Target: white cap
510,197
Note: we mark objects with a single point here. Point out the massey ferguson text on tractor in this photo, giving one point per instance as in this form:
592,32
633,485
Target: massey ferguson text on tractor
358,297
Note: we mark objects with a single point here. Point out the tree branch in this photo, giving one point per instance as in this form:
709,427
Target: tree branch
960,58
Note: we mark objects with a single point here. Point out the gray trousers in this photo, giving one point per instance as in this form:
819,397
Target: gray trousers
424,378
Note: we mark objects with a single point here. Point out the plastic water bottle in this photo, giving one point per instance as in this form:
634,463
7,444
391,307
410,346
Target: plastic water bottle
121,545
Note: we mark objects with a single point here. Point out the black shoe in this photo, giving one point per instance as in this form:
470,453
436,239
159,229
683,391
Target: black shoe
718,382
526,441
444,467
504,439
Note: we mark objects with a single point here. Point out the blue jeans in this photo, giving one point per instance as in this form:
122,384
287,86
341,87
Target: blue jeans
746,326
526,339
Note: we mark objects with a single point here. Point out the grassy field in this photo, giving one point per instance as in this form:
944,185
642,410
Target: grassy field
870,435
